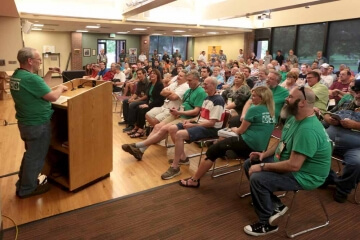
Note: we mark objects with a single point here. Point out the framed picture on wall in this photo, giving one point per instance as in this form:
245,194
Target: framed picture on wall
94,52
87,52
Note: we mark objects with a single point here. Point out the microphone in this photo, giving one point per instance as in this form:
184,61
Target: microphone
72,84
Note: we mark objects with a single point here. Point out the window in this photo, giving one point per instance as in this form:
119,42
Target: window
283,39
344,43
169,45
180,44
310,41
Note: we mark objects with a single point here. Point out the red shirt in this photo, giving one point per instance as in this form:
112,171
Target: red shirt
342,87
108,76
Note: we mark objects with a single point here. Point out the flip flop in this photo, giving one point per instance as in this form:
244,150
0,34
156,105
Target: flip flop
137,135
187,184
132,132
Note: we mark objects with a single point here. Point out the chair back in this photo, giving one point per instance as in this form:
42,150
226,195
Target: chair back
226,118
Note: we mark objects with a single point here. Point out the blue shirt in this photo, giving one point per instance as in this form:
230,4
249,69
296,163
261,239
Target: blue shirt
102,72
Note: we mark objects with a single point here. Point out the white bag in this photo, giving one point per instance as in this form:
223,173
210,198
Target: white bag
226,133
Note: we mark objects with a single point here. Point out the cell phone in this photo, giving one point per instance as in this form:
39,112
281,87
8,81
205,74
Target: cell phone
335,116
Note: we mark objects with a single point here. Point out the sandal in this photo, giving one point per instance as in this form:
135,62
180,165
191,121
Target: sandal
137,134
132,132
187,183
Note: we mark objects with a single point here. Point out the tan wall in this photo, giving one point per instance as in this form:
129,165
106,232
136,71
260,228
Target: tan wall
334,11
61,41
10,41
229,43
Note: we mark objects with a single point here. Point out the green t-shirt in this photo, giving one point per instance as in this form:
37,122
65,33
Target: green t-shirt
193,98
27,90
283,76
279,95
307,137
262,124
346,97
150,93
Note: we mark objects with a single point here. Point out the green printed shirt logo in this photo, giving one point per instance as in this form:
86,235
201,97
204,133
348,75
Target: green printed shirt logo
266,118
15,84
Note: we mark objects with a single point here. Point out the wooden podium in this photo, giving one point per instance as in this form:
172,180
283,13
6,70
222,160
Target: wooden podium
81,146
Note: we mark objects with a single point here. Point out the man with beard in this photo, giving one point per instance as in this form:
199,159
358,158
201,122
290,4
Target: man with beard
300,161
347,143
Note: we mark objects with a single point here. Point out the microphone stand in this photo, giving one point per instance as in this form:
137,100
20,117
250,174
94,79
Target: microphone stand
72,84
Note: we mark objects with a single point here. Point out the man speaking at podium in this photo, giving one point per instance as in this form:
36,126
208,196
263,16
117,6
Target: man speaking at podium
33,97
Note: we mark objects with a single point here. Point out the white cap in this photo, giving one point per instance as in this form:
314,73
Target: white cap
325,65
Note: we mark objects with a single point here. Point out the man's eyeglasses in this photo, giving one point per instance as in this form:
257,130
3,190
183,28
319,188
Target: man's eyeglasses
302,89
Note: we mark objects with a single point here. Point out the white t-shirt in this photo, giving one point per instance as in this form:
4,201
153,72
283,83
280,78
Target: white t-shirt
327,80
142,58
202,58
178,90
120,76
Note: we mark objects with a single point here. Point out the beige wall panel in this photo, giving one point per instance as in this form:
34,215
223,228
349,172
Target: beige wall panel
10,41
61,41
229,43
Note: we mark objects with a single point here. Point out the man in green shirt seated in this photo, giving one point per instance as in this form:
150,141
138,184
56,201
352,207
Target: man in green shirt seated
301,160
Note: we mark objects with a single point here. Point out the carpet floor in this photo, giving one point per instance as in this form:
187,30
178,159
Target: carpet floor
213,211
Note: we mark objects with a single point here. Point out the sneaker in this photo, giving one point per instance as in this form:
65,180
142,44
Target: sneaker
278,212
181,162
260,229
339,197
170,173
130,148
40,189
129,128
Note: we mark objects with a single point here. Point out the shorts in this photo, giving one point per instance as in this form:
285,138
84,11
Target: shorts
159,113
199,132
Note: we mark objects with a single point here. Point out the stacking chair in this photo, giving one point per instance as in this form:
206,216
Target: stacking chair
312,228
292,235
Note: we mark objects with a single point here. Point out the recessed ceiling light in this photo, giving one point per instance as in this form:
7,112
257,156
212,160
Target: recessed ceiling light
186,35
37,29
139,29
81,30
156,34
212,33
38,25
178,31
122,32
92,26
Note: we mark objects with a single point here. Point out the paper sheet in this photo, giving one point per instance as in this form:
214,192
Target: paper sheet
61,100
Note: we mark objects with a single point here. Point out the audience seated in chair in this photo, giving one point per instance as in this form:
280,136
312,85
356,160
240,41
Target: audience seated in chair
153,99
173,99
130,105
254,134
300,161
346,136
321,92
190,108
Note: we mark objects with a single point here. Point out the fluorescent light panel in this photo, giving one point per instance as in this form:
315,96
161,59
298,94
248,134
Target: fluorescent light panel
37,29
82,31
92,26
38,25
178,31
139,29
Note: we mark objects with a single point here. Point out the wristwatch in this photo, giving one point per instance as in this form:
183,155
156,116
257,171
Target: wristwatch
262,165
